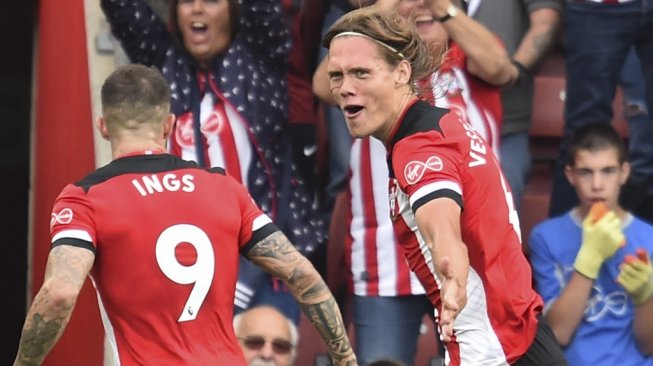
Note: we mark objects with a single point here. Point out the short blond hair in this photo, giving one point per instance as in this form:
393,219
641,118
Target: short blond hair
133,96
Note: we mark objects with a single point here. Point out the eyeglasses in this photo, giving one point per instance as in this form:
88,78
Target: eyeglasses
279,346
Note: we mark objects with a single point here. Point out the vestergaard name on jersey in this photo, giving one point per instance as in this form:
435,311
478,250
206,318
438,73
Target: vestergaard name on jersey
477,150
169,182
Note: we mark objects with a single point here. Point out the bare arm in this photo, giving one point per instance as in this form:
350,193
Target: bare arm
566,312
486,56
438,222
642,327
279,257
539,39
65,273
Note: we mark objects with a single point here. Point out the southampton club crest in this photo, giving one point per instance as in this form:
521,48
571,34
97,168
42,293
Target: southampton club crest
393,193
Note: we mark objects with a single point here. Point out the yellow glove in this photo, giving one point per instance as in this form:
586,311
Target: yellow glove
602,236
636,277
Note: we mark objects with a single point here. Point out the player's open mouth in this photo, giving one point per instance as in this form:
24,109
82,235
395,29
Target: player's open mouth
352,110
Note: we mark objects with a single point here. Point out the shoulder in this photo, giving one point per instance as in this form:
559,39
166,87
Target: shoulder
420,117
554,226
640,225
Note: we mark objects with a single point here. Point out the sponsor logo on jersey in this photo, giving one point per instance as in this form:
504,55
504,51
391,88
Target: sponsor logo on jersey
414,171
63,217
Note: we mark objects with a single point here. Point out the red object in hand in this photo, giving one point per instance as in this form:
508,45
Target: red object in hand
641,255
598,210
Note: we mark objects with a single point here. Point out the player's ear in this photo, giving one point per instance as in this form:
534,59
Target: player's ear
569,173
625,172
101,126
402,73
168,124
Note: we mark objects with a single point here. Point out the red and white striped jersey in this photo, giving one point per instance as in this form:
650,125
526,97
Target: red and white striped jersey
475,101
226,139
377,264
433,154
167,237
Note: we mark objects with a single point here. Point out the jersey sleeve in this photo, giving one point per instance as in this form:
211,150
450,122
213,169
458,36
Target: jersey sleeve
427,167
71,221
547,275
256,225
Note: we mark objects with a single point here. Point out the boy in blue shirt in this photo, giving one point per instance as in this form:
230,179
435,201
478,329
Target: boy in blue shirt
592,265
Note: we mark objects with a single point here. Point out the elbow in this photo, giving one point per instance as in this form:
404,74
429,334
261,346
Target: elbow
646,348
60,300
63,299
563,335
647,351
563,339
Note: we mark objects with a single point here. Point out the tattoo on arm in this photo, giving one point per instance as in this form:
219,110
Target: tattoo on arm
50,312
326,318
39,335
542,43
279,257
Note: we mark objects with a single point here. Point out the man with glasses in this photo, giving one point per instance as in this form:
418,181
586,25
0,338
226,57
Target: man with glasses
266,337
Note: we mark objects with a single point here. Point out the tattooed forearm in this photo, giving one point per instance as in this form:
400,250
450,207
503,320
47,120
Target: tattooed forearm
542,43
326,318
50,312
277,255
540,37
37,339
273,246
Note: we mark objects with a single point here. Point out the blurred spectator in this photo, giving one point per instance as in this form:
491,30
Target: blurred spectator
266,337
597,290
528,29
303,17
598,35
637,194
227,66
388,301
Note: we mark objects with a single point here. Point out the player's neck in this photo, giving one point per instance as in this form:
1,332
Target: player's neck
144,147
